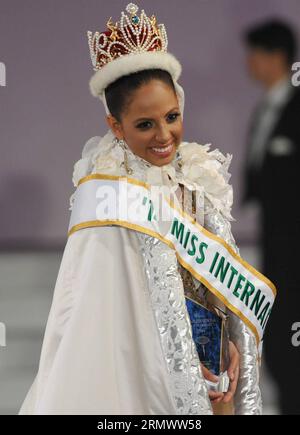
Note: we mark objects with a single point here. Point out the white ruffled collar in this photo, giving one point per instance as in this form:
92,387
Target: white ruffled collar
194,166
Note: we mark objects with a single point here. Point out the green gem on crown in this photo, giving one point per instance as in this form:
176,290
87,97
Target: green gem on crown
135,19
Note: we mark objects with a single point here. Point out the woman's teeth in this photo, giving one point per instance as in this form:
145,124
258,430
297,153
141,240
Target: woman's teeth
163,149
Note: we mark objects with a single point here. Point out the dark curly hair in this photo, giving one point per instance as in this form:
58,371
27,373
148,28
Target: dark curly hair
119,93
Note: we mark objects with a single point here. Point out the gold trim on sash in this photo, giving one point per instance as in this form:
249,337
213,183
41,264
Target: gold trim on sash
155,234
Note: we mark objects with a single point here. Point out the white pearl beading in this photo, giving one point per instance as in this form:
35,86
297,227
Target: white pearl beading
143,33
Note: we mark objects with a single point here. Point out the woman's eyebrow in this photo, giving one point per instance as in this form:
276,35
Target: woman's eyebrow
145,118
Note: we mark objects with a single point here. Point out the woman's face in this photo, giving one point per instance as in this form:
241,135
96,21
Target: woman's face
152,124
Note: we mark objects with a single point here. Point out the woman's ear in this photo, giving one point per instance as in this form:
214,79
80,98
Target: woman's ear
114,126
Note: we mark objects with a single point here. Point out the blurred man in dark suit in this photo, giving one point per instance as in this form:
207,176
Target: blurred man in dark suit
272,177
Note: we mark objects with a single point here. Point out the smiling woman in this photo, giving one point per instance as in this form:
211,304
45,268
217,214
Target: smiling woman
145,113
119,338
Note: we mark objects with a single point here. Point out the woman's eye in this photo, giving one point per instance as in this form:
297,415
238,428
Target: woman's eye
144,125
147,124
173,116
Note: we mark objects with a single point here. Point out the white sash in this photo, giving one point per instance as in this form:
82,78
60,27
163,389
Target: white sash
102,200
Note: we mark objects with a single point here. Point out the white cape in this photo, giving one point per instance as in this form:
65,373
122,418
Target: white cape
118,338
101,352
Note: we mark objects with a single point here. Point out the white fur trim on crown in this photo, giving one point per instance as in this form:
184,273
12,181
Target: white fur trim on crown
131,63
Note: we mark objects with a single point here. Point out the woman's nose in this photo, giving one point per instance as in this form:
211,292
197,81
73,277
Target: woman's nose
163,135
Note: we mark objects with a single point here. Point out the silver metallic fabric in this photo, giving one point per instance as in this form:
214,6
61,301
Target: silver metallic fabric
247,400
168,302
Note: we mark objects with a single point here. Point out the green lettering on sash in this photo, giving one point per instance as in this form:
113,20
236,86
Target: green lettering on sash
247,292
257,302
186,239
214,262
151,214
192,250
266,319
202,246
263,312
222,269
178,228
233,273
238,285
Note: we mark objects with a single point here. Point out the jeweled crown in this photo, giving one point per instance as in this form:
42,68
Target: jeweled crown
132,34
